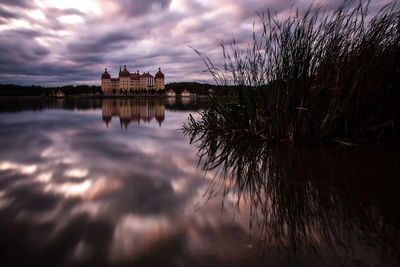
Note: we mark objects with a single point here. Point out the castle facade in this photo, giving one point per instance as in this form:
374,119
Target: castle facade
128,82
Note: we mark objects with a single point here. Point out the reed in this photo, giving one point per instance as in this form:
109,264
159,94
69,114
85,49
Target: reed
305,198
318,75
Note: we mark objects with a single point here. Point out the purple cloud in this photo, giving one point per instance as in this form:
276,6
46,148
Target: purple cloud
70,42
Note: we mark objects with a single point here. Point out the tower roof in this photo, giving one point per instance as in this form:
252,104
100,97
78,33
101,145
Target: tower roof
159,74
106,75
135,76
124,73
146,75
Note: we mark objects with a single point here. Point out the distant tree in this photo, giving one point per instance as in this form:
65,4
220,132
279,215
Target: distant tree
33,90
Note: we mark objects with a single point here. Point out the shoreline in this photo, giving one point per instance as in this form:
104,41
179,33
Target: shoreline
102,97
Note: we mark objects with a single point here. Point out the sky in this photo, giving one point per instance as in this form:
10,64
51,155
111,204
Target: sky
60,42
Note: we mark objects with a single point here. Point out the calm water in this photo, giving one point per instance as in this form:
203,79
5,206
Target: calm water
115,183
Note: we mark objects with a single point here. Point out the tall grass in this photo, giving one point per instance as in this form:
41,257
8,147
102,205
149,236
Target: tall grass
304,197
317,75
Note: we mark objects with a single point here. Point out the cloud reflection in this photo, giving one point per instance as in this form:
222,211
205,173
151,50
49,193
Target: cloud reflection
81,192
74,192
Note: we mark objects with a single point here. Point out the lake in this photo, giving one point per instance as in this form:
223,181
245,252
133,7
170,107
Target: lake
113,182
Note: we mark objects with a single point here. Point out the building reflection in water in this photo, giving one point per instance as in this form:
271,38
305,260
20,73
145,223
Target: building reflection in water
133,110
171,100
186,100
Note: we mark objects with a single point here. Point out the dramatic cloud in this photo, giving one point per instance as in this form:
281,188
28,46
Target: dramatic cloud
21,3
56,42
141,7
72,185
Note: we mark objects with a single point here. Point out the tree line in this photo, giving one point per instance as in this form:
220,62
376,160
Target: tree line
34,90
196,88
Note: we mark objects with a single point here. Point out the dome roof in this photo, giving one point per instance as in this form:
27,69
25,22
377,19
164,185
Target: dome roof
146,75
159,74
135,76
124,73
106,75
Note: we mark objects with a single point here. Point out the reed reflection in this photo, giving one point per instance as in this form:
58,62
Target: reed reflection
133,110
302,199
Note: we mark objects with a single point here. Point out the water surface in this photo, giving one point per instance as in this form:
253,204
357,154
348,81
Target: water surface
115,183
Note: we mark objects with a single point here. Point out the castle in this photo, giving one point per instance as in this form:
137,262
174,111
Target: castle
131,82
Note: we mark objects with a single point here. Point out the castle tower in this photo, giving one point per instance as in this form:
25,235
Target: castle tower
106,81
125,79
135,81
159,80
146,81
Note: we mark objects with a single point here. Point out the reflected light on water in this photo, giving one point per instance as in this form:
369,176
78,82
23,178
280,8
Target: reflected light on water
76,173
135,234
21,168
115,182
69,189
44,177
